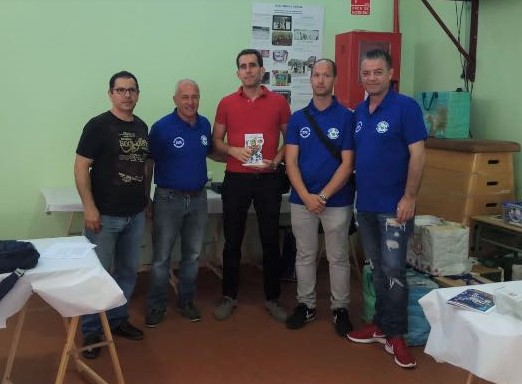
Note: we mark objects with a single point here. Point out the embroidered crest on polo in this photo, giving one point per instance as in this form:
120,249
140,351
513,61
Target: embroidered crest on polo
382,126
204,140
178,142
359,126
304,132
333,133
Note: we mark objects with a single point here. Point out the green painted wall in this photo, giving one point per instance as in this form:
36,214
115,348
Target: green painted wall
56,57
495,111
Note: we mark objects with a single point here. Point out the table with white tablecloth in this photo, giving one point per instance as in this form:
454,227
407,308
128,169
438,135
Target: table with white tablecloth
67,200
72,284
489,345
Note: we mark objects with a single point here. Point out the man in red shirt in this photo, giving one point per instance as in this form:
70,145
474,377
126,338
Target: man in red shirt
252,119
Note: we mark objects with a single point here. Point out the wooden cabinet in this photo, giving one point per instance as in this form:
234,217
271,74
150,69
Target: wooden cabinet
464,178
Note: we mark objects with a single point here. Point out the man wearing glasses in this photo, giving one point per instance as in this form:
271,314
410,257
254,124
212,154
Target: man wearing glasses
113,180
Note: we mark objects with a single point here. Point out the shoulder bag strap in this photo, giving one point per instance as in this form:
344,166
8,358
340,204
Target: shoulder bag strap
334,151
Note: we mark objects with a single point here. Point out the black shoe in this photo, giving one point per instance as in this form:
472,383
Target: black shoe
341,321
154,317
189,311
302,315
91,353
128,331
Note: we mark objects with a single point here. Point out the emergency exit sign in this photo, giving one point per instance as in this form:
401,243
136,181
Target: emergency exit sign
361,7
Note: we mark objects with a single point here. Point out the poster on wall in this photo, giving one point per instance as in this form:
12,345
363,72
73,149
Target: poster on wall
290,39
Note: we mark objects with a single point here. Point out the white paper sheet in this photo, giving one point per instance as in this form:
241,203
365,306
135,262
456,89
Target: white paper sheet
67,250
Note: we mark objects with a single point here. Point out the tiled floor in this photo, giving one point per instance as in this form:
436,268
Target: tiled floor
248,348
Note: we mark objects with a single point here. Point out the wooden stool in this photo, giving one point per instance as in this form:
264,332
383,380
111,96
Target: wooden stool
471,378
6,379
81,366
68,351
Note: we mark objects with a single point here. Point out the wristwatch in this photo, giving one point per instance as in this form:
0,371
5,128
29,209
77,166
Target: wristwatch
322,196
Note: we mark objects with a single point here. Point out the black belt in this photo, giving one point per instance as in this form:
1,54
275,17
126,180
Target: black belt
190,193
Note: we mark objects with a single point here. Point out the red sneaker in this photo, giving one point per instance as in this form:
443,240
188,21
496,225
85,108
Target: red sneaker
397,346
368,334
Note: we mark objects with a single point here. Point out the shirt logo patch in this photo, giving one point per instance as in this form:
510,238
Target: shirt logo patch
333,133
178,142
359,126
204,140
304,132
382,126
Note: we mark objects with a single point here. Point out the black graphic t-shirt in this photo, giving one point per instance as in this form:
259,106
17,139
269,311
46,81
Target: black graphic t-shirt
119,150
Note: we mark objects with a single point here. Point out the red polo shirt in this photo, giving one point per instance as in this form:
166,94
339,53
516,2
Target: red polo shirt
264,115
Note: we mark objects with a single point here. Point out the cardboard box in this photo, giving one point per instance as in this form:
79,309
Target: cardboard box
459,281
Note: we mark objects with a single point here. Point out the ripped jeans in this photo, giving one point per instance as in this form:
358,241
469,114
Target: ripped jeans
385,243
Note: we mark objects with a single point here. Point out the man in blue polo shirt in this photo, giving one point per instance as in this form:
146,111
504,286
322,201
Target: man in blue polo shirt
179,145
321,194
389,161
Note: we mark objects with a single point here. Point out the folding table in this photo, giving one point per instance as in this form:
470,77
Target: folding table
74,283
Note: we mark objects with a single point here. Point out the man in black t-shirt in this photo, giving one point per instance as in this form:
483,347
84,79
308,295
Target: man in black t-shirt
113,179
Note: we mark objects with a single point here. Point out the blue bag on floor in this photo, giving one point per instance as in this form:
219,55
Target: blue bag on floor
418,327
419,285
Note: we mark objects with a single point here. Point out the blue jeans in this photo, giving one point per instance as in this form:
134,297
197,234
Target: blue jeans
176,214
385,245
118,248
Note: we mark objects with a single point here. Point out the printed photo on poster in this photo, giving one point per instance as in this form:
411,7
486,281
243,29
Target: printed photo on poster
281,23
290,39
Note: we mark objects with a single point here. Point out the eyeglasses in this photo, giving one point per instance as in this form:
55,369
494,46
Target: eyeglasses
123,91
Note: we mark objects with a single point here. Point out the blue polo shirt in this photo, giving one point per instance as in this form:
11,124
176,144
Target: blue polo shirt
316,163
381,150
179,151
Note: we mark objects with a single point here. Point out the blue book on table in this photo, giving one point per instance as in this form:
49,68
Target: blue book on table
474,300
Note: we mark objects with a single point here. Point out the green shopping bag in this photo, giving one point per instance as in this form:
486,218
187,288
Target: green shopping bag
419,285
368,294
446,114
